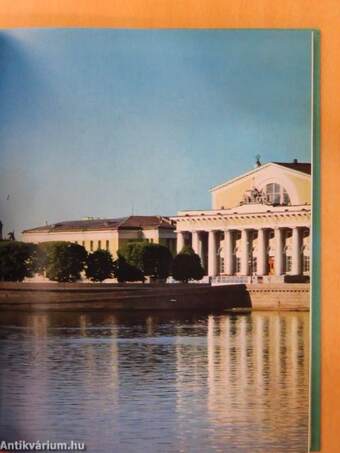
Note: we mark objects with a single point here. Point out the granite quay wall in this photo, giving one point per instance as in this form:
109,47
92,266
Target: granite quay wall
284,296
104,296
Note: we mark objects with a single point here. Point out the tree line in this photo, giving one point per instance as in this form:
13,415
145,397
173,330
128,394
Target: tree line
63,261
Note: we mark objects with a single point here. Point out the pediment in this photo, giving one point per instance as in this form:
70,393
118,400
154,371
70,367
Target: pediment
253,188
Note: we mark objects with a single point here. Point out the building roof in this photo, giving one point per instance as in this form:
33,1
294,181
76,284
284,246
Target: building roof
301,167
122,223
146,222
304,167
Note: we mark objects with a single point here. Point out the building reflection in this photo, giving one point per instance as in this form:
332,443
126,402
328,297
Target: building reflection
258,365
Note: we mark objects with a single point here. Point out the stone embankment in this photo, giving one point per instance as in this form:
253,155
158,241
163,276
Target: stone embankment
104,296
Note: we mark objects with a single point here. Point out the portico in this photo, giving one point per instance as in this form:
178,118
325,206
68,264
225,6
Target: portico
249,250
261,236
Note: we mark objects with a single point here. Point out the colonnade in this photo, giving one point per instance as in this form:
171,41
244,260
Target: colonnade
246,252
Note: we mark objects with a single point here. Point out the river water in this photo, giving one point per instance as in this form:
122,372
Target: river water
157,382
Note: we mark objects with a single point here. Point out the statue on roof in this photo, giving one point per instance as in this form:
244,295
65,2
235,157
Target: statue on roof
258,161
254,196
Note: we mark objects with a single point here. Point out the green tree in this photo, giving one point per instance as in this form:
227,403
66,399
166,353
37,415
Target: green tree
132,252
125,272
187,266
62,261
157,260
99,265
17,260
153,260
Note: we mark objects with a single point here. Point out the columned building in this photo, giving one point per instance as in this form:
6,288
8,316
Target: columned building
259,224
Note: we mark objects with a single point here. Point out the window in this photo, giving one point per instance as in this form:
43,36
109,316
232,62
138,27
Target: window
254,265
91,246
83,243
107,246
285,199
222,264
273,192
277,194
99,245
172,245
238,264
169,243
288,263
306,263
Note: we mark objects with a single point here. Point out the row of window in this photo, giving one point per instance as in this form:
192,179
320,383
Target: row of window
305,264
98,245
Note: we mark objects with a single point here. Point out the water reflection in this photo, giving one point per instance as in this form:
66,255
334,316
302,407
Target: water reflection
157,382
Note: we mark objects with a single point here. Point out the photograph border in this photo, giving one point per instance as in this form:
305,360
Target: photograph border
314,425
322,16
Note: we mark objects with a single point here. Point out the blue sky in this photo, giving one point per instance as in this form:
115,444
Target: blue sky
109,122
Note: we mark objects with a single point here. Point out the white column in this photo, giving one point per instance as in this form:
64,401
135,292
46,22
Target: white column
212,254
195,241
244,252
261,252
180,241
200,246
228,252
296,252
278,251
197,244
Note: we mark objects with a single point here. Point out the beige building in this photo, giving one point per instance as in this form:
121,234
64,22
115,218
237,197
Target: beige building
258,227
108,234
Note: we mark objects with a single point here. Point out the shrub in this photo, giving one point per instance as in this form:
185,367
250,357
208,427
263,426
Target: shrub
187,266
99,265
124,272
62,261
17,260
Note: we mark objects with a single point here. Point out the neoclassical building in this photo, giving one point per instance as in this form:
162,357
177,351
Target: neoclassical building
108,234
258,227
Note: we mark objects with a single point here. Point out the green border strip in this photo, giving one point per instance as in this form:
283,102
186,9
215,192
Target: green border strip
315,419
